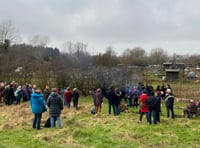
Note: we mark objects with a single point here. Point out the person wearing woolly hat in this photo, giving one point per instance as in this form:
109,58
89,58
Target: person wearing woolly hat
168,91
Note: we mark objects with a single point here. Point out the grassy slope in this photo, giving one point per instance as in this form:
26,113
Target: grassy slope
82,129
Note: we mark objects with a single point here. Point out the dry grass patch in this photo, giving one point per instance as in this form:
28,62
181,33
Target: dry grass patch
82,129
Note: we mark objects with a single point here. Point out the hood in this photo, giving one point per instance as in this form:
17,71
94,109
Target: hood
54,94
36,95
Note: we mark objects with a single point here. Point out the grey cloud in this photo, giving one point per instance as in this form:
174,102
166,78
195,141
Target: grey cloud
164,23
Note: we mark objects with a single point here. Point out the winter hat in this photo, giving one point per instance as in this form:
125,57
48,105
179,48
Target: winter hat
168,91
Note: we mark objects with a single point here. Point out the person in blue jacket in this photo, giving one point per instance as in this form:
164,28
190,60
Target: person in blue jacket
38,107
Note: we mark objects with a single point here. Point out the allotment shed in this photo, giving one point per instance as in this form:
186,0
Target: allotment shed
172,74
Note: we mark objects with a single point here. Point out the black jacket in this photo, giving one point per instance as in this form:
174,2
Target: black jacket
151,102
55,104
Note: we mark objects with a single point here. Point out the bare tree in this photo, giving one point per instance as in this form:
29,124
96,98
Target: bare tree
138,52
126,52
68,47
108,59
77,47
126,56
110,51
135,56
78,54
8,35
8,32
80,47
39,40
157,56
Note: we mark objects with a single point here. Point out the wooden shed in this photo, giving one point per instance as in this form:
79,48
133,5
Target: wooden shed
172,74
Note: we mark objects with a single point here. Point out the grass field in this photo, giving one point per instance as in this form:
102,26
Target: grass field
82,129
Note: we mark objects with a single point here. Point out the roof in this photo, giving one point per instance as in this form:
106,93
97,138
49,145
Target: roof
170,63
172,70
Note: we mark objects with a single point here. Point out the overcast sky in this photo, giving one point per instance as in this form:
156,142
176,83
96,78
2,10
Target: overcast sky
173,25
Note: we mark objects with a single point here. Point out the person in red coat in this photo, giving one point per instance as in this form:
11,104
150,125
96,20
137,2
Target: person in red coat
68,97
143,106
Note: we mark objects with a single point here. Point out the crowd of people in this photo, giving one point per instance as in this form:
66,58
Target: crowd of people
148,100
114,99
13,93
54,99
145,98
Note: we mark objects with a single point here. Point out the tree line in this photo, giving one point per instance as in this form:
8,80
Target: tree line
76,67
